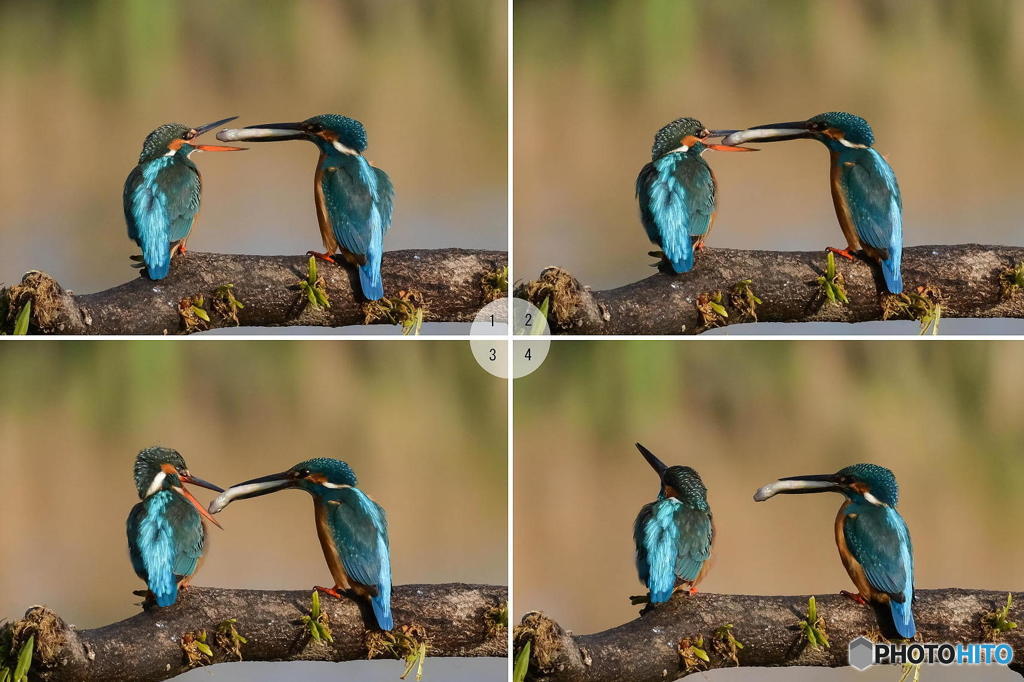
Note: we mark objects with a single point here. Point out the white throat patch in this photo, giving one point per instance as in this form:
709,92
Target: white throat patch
343,149
336,486
873,500
846,143
681,148
158,482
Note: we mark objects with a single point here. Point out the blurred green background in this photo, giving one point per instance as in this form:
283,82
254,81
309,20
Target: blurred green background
939,80
422,425
82,84
945,417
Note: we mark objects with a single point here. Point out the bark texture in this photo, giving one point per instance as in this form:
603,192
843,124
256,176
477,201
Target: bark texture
447,285
648,649
454,619
967,280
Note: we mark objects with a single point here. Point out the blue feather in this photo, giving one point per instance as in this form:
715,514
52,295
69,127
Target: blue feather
358,200
161,200
360,532
876,207
668,206
879,541
156,541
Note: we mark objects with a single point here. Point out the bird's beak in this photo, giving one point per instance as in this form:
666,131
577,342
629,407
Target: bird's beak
772,132
264,132
655,463
188,478
212,147
725,147
253,488
796,485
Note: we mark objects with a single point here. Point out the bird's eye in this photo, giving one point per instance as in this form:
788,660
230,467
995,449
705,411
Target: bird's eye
189,135
315,128
303,473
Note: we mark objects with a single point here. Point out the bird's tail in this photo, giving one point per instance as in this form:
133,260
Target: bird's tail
891,271
157,258
684,263
903,618
370,281
382,607
165,593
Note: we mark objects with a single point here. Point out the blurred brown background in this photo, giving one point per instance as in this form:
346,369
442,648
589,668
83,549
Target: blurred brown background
83,83
421,424
945,417
939,80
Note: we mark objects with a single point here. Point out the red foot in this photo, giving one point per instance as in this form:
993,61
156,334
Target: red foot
693,591
321,256
845,253
854,597
328,591
181,248
699,245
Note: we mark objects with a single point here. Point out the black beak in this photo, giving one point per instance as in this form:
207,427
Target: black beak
655,463
255,487
210,126
772,132
195,480
797,485
265,132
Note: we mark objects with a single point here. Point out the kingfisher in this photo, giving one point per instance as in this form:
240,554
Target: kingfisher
352,528
166,532
873,540
865,193
677,190
353,198
673,534
161,194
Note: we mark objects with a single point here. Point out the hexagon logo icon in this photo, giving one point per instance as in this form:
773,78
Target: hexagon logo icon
860,653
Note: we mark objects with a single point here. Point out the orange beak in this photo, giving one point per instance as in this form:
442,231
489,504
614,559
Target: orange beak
199,507
729,148
218,148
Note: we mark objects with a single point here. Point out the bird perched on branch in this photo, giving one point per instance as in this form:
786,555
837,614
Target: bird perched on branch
673,534
351,527
162,193
873,540
677,190
865,193
353,198
166,533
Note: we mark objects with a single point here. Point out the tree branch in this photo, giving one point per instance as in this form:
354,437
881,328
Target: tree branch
648,649
447,285
966,280
456,619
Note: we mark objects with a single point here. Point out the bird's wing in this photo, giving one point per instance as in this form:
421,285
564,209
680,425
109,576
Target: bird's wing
880,542
183,203
694,544
385,197
657,537
131,187
189,536
699,185
134,519
350,190
873,197
360,531
643,568
677,200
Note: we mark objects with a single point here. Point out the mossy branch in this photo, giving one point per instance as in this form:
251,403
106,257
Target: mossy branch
255,291
785,286
213,625
705,631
